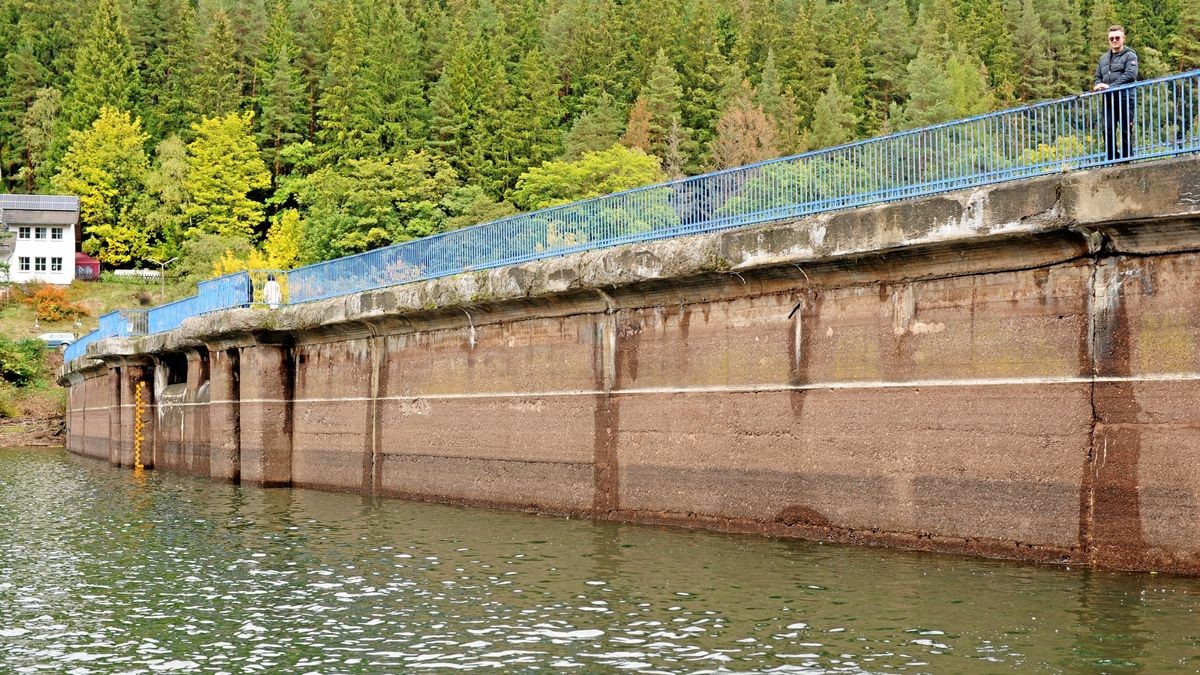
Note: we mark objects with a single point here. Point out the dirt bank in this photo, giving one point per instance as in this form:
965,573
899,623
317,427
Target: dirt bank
33,431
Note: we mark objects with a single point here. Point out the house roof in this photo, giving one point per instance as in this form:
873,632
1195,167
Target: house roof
40,202
39,209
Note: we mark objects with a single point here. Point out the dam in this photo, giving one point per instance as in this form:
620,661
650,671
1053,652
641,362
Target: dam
977,337
1008,370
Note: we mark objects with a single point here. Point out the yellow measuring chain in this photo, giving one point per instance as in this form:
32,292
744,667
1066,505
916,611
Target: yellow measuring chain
139,425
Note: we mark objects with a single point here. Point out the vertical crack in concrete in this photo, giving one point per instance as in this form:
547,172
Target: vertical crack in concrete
235,405
800,349
379,382
366,482
1115,536
1088,363
287,374
114,417
606,418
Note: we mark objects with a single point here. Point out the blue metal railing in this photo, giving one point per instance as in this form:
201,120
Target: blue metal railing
1031,140
1160,118
120,323
123,323
231,290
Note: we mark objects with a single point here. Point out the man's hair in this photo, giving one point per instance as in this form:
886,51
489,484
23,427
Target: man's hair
1116,27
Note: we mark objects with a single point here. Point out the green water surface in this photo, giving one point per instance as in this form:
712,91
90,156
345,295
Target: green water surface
104,572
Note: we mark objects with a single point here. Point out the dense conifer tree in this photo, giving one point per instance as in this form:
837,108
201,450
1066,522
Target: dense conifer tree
930,90
1185,45
660,103
218,90
248,23
599,128
533,133
343,130
105,71
469,100
166,47
282,118
442,105
833,117
37,132
393,80
780,106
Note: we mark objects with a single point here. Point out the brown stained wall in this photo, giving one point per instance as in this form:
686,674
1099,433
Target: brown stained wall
90,402
1028,396
224,414
332,430
945,414
925,396
267,374
1145,463
502,414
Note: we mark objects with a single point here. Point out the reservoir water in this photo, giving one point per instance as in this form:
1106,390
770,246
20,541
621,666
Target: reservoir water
102,571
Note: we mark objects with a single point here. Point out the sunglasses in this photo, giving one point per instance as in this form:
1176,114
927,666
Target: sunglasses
1116,38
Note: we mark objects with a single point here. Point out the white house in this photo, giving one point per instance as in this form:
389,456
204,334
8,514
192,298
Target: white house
37,237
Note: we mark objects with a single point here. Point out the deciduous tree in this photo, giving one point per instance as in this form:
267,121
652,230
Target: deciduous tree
106,166
224,168
595,174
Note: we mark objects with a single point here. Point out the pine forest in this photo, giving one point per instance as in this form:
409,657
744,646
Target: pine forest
259,134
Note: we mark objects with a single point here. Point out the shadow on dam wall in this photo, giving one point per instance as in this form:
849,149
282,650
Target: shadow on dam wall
1007,371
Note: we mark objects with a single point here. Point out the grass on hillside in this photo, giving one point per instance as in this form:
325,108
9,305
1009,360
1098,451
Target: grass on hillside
41,397
18,319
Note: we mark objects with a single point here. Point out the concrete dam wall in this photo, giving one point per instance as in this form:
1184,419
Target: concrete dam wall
1008,371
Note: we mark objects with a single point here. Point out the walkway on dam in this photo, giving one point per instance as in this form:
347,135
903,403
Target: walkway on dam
1023,142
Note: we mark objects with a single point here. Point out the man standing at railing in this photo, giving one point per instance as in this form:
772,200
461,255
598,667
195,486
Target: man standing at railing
1118,66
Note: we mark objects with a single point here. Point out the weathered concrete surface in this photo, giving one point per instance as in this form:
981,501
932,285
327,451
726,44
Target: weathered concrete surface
265,412
183,418
1007,371
224,414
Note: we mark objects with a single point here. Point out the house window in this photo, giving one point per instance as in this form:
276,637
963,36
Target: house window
39,264
56,264
39,233
23,263
24,232
56,233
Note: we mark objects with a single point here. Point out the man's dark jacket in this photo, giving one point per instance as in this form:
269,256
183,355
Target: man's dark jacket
1117,69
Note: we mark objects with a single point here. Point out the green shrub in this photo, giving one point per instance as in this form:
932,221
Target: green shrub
21,361
9,408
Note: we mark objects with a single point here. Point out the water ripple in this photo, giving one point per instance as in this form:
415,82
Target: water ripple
101,572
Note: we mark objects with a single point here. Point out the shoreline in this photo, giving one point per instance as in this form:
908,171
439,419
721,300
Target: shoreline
34,431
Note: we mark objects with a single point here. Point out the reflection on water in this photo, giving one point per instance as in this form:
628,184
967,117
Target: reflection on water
101,572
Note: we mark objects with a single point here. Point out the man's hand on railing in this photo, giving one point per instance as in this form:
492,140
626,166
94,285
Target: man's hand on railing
1100,86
